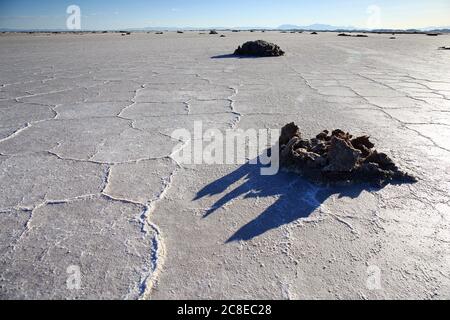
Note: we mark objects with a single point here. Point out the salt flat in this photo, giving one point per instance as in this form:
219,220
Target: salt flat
87,178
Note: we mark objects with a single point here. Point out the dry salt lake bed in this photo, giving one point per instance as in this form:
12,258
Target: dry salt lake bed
88,184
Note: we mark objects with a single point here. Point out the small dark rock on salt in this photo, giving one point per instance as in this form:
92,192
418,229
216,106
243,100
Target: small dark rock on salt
337,157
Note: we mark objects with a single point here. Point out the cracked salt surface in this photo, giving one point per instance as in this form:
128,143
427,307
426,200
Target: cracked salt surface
87,177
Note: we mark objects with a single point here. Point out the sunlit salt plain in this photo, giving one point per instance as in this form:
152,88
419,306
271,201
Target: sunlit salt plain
88,186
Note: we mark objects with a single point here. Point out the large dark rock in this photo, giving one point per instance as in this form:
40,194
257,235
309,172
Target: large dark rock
337,158
213,32
259,48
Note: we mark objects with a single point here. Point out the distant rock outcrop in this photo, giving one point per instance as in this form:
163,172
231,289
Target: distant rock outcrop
259,48
213,32
352,35
337,158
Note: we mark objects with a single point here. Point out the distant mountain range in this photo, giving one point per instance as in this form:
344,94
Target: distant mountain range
315,27
312,27
436,28
327,27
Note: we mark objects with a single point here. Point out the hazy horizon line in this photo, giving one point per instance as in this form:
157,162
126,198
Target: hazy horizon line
323,27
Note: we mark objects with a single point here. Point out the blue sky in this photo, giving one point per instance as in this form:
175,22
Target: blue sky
114,14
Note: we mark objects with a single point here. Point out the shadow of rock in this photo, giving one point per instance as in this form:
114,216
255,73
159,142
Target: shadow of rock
235,56
296,197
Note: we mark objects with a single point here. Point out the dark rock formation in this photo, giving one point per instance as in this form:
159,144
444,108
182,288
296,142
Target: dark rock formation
259,48
337,158
222,36
180,32
213,32
444,48
352,35
314,32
